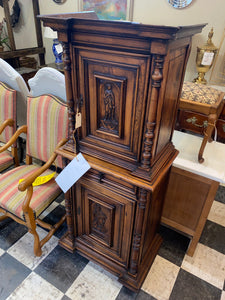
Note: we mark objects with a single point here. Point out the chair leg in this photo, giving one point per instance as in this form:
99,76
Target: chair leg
15,155
207,136
37,245
31,224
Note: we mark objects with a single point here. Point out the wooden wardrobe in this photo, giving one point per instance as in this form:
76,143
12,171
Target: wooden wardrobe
125,79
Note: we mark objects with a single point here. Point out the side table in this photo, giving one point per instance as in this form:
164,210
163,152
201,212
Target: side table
199,109
192,186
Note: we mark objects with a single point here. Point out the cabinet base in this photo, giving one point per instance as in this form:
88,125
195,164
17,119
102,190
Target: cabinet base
133,282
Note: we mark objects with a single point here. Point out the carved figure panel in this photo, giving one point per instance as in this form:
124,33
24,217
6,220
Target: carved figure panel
110,101
101,220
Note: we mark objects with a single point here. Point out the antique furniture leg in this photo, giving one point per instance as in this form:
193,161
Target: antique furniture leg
207,136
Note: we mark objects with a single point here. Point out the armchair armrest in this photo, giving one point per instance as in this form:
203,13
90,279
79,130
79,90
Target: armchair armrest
8,122
22,129
28,181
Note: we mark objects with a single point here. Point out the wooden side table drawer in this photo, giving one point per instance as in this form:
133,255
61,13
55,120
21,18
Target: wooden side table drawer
192,121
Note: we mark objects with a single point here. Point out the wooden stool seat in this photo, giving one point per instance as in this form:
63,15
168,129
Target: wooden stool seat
199,109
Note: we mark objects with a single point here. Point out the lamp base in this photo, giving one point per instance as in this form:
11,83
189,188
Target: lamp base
200,79
57,51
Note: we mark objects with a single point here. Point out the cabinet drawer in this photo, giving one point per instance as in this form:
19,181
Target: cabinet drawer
192,121
104,219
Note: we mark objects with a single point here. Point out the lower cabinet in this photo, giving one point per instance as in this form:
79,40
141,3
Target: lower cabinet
114,223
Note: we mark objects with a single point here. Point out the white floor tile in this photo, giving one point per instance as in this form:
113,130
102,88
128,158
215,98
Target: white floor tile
2,251
223,295
161,278
94,283
217,213
206,263
22,250
36,288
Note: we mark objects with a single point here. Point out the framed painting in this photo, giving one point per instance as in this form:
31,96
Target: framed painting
109,9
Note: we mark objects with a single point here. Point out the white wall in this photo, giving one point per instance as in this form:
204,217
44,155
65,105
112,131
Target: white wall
160,12
157,12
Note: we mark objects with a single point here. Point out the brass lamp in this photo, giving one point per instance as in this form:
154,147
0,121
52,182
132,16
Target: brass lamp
205,58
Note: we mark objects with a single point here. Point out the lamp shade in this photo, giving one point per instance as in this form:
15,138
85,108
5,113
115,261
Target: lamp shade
50,34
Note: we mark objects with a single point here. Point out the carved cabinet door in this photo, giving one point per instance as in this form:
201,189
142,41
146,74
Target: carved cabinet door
114,87
104,220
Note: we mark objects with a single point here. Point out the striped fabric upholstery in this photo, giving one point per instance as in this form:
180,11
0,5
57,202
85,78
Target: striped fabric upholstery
47,123
6,160
11,198
7,110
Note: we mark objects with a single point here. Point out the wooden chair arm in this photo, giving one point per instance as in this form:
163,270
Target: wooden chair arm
29,180
22,129
8,122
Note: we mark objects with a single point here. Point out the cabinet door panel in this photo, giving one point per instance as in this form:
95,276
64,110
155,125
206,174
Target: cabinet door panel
114,89
104,221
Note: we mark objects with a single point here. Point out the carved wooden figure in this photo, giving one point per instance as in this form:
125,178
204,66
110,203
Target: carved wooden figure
125,79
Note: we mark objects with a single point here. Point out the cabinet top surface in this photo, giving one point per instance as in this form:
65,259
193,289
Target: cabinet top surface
79,20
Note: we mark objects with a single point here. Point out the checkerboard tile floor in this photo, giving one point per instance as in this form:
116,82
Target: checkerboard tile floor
60,275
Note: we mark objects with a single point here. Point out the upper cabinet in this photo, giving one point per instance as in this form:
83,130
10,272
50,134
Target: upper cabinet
125,80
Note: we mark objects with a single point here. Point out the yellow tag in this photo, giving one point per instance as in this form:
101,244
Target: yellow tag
41,179
78,120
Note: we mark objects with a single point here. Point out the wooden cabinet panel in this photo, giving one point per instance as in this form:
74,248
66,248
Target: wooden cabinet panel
104,220
172,89
113,87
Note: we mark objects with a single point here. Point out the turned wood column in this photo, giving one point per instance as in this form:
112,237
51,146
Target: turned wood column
70,145
156,77
135,253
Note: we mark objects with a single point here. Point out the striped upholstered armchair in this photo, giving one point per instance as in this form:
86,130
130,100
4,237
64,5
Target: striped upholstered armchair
7,127
21,198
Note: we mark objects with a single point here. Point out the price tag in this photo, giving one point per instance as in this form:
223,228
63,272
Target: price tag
207,58
59,48
72,172
78,120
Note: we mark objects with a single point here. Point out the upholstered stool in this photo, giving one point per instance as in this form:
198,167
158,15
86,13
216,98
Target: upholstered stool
199,109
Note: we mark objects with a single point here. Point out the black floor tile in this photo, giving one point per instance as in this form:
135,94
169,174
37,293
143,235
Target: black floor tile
174,245
220,194
61,268
144,296
190,287
126,294
12,273
54,216
60,198
66,298
10,232
213,236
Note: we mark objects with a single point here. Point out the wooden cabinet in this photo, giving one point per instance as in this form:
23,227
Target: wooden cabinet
125,80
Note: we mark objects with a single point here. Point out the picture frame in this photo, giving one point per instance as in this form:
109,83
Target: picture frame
120,10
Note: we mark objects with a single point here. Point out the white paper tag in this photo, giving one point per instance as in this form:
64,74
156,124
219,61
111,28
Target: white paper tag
78,120
207,58
59,48
72,172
